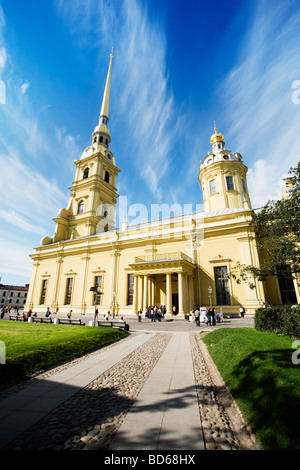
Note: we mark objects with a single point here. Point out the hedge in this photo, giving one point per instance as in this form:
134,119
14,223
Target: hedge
284,320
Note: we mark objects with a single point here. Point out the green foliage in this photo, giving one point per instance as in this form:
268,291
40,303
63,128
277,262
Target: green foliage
282,320
258,370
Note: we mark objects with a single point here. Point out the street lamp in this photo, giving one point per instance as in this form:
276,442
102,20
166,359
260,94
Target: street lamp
210,295
97,290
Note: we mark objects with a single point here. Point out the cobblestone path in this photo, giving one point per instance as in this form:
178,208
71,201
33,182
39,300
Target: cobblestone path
222,422
91,417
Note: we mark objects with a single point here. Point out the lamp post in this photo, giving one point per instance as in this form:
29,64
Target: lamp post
210,296
97,291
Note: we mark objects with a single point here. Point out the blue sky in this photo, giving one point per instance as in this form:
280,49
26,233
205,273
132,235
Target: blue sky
178,66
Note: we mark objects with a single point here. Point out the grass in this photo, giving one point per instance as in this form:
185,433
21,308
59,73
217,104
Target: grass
34,347
257,368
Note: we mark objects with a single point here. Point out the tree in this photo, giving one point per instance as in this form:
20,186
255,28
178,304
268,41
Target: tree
276,228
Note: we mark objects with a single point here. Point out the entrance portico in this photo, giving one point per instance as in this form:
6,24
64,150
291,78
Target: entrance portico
164,279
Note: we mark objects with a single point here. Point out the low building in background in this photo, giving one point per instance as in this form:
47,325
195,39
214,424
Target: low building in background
13,296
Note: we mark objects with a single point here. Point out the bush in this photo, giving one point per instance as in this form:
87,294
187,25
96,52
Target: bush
285,320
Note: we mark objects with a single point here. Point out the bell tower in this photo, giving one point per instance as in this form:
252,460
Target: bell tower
93,198
223,178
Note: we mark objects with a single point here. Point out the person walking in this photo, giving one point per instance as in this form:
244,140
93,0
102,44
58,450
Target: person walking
197,317
208,316
69,314
140,315
154,314
48,313
212,315
242,311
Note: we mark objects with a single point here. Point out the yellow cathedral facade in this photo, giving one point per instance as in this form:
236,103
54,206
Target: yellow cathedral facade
180,262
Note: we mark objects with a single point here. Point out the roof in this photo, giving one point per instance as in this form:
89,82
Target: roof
10,287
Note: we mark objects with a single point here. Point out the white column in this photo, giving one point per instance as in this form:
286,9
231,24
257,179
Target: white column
191,293
186,293
135,293
152,286
180,293
140,290
145,304
169,293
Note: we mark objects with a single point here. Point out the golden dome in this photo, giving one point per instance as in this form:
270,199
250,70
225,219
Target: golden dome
217,136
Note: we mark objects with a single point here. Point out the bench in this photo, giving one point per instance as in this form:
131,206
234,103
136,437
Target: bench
114,324
69,321
17,317
42,319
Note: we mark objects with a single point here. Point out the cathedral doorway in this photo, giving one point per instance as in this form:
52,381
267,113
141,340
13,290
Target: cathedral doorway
175,303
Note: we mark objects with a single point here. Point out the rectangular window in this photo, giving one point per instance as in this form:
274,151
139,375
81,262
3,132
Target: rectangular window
97,296
69,291
287,288
212,187
244,186
44,289
130,290
222,285
229,182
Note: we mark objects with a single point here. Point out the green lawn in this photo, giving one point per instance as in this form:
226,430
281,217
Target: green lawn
257,368
32,347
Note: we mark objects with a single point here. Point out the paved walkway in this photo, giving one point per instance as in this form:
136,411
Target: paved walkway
24,408
152,374
166,413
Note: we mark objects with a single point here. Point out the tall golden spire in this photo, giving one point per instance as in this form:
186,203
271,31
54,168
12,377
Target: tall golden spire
105,101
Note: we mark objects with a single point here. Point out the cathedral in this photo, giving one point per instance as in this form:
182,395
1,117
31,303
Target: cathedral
180,262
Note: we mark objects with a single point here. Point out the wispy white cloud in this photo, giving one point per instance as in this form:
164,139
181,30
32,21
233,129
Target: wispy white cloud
24,87
12,217
27,192
259,117
2,58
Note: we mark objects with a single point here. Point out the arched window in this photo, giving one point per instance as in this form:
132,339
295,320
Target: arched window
101,138
106,141
80,207
106,177
106,228
86,173
104,211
